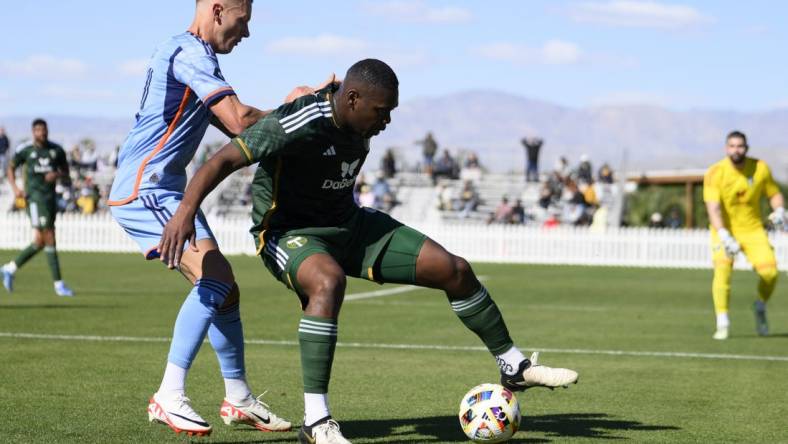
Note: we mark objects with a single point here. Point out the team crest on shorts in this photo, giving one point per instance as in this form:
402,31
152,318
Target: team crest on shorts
296,242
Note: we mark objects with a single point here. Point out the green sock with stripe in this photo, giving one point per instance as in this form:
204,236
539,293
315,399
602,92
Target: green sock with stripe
480,314
26,254
318,339
54,264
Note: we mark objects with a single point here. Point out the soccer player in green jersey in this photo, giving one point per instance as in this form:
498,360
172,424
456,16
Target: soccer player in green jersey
311,234
44,163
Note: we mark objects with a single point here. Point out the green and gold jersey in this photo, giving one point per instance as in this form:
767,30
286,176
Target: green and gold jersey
307,166
37,161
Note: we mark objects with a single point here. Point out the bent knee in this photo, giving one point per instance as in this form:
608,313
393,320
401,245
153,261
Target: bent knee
768,274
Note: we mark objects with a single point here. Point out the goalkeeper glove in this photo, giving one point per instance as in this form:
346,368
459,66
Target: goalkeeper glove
732,247
778,218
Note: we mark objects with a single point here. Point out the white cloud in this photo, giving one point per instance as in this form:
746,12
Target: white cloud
43,65
553,52
417,11
133,67
636,13
324,44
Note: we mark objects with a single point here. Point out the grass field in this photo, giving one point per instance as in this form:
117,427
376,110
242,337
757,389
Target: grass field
66,385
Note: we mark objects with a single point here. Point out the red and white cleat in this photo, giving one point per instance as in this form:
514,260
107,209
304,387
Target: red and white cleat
176,412
256,414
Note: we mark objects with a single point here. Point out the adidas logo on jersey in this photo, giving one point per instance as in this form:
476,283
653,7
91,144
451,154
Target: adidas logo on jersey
330,151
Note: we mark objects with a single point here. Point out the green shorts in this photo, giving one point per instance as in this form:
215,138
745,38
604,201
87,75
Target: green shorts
372,246
42,213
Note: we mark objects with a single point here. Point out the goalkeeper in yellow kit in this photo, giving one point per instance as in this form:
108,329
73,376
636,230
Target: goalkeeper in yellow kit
732,190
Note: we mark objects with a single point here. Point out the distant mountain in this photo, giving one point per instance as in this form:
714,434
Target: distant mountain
492,124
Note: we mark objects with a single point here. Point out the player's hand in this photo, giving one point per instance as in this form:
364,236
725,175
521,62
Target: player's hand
778,219
732,248
50,177
178,230
301,91
19,193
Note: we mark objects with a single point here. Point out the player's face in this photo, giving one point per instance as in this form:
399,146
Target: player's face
736,149
233,26
371,111
40,134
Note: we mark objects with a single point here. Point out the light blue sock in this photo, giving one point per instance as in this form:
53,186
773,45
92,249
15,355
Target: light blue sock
227,338
196,315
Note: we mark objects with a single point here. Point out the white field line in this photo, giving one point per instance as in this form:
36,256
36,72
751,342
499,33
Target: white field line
391,291
579,351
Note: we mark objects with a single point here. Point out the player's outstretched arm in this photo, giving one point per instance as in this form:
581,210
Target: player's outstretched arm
180,228
10,173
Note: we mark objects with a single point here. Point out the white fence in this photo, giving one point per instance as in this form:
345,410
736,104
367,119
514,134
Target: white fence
634,247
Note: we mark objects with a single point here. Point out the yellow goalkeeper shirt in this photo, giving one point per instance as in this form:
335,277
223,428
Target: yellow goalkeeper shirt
739,192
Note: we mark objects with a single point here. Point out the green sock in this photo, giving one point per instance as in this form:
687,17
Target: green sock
318,339
54,265
480,314
26,254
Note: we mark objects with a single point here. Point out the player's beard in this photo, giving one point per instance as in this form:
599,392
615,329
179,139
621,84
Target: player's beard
737,159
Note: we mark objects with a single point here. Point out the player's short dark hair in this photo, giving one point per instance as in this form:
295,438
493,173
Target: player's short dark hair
738,134
39,121
373,72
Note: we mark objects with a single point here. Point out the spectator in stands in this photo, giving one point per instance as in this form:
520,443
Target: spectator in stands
574,205
655,221
532,147
4,144
384,199
469,199
360,182
75,158
445,198
503,212
545,196
589,193
429,149
471,169
88,162
605,174
585,171
674,219
444,167
555,183
388,164
518,213
562,168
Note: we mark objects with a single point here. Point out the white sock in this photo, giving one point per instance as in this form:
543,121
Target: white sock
237,391
509,361
58,284
174,380
315,407
10,267
760,306
723,321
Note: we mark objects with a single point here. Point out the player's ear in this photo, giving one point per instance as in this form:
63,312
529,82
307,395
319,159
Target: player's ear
352,98
217,12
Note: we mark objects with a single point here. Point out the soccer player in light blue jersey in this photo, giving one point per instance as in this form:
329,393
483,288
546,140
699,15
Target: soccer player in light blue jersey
184,92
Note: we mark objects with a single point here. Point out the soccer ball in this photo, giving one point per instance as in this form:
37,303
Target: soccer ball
489,413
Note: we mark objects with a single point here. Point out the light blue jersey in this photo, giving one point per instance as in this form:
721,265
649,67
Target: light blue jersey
183,81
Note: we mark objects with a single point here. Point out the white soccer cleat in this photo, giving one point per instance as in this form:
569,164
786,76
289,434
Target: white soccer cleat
177,413
8,280
531,374
325,432
761,326
257,414
721,334
61,289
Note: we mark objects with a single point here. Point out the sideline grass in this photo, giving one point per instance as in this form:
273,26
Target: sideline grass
57,391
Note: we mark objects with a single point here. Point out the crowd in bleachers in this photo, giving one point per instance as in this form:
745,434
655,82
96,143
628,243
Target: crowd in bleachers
567,194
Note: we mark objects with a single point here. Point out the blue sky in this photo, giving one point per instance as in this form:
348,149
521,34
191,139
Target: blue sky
87,57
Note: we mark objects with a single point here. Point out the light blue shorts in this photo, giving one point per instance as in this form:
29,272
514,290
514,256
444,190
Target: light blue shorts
144,218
